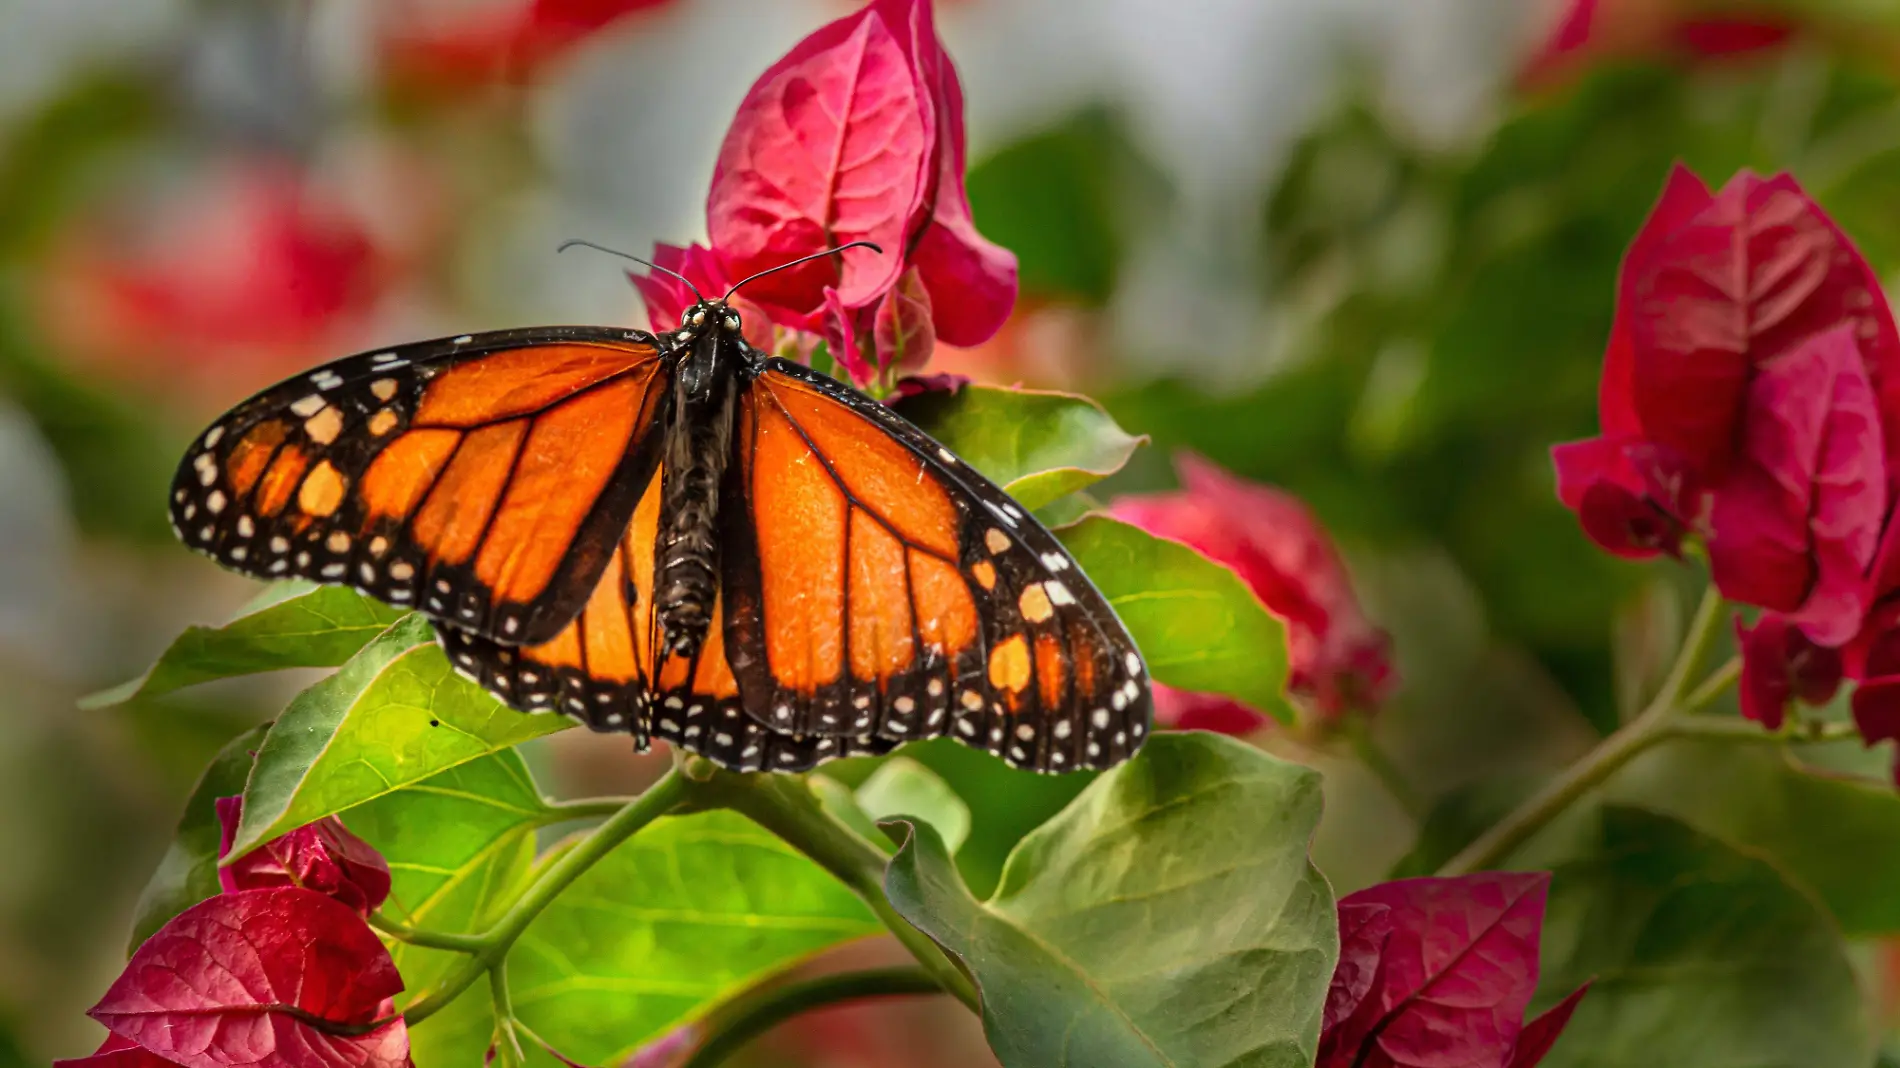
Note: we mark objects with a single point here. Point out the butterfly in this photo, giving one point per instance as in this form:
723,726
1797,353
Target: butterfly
675,535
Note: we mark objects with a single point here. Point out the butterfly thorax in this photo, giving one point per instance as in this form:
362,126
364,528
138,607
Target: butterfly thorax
712,366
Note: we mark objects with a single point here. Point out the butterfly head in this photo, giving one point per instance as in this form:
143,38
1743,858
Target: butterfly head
710,315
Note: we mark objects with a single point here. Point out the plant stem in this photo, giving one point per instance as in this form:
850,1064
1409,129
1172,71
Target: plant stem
660,798
588,809
1649,727
1712,687
1730,729
418,936
760,1010
507,1044
786,806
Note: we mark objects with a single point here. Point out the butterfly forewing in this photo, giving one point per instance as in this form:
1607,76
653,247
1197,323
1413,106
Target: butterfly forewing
883,587
483,479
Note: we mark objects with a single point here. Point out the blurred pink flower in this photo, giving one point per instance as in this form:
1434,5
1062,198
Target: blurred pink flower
506,41
255,269
1588,31
1339,660
1781,665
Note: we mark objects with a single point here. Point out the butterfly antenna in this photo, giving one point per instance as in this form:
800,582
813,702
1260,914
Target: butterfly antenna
799,260
570,243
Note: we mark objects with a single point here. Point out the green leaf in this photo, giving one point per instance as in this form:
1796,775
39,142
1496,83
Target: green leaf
685,914
1199,627
1005,805
841,802
188,873
1038,445
902,787
1703,958
291,625
395,714
1761,798
460,845
1169,916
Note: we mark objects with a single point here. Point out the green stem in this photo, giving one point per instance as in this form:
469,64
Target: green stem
508,1051
418,936
662,797
1713,686
786,806
1652,725
765,1008
1730,729
591,808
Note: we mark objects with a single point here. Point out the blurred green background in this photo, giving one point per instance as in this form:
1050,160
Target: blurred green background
1362,250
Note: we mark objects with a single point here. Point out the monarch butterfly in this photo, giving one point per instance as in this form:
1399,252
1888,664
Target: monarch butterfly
676,535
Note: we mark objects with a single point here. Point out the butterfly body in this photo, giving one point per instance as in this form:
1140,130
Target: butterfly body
676,535
714,366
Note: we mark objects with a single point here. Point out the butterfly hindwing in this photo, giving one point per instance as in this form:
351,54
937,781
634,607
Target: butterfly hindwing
608,670
483,480
878,585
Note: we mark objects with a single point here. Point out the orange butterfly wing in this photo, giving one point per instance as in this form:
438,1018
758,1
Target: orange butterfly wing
609,670
484,480
875,585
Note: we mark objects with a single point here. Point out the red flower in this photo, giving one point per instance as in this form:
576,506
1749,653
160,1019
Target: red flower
284,977
1339,659
1872,659
857,135
1593,29
322,856
513,41
1436,972
1780,664
1751,396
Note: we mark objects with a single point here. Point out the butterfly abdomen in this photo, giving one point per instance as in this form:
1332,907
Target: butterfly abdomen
698,443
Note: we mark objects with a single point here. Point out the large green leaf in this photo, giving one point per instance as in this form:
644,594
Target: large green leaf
1199,627
395,714
1761,798
293,624
460,845
1169,916
1703,957
188,873
1037,445
688,912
